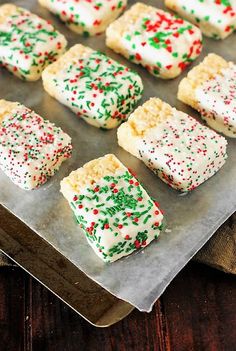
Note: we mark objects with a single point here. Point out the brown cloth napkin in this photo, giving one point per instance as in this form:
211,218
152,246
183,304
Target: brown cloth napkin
219,252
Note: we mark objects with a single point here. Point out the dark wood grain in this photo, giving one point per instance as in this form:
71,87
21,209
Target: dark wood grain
12,309
197,312
58,273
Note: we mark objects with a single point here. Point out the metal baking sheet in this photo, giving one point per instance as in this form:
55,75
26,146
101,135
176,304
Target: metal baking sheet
192,219
58,274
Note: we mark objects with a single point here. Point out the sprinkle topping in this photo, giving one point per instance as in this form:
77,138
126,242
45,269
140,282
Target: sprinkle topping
98,88
117,222
217,101
162,42
183,152
28,44
31,148
216,18
87,17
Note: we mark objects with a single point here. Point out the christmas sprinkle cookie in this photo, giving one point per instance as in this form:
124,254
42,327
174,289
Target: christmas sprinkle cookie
113,209
210,88
161,42
100,90
87,17
181,151
215,18
27,42
31,148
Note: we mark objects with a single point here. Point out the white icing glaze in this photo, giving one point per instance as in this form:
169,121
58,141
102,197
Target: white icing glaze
113,213
28,44
86,16
217,101
214,19
176,40
31,148
102,95
182,152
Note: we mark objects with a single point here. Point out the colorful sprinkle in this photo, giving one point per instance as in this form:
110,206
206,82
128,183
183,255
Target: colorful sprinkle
31,148
115,223
87,17
161,42
28,43
182,152
215,18
216,99
95,87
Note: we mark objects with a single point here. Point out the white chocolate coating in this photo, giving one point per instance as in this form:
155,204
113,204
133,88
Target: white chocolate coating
116,213
28,43
156,39
86,17
181,151
95,87
31,148
216,99
206,70
216,19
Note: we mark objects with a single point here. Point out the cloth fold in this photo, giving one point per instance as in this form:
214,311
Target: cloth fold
219,252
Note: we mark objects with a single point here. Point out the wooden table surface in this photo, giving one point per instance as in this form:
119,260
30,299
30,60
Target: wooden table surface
197,312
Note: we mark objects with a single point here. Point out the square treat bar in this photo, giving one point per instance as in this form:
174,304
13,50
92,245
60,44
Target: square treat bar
31,148
87,17
27,42
158,40
215,18
115,212
181,151
100,90
210,88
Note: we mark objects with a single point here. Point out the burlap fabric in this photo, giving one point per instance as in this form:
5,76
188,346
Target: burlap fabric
219,252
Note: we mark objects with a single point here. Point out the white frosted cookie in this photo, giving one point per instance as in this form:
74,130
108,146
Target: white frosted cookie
113,209
98,89
158,40
31,148
181,151
86,17
210,88
28,43
215,18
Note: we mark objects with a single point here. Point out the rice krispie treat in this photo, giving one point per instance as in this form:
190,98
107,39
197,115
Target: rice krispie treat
181,151
28,43
159,41
87,17
31,148
113,209
215,18
100,90
210,88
